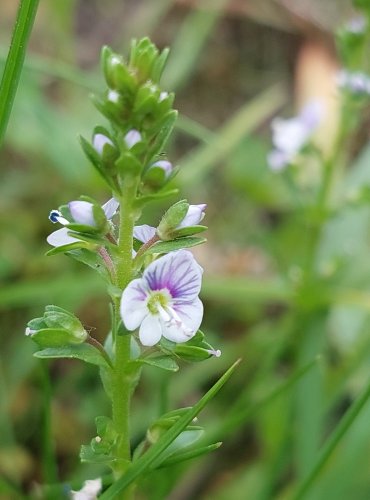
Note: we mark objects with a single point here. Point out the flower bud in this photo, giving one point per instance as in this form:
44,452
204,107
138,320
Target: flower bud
181,220
116,72
56,328
82,212
194,215
99,142
132,137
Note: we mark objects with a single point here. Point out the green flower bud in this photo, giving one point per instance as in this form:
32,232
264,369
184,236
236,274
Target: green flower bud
56,328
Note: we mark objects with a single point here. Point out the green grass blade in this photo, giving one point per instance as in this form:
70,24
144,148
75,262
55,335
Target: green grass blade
332,443
143,463
14,63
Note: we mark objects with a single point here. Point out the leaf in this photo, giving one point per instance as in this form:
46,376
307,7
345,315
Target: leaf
183,440
164,362
171,246
52,338
143,463
67,248
87,455
188,454
156,196
84,352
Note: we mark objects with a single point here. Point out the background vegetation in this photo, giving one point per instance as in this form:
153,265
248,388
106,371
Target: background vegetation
234,65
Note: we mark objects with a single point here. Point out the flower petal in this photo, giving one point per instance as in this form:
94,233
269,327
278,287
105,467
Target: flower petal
144,233
99,141
133,304
191,313
82,212
89,491
61,237
110,208
178,272
193,216
150,332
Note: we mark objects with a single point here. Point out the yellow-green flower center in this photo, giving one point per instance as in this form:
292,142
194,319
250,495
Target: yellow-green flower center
158,298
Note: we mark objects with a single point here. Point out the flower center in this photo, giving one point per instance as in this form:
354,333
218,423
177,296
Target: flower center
157,301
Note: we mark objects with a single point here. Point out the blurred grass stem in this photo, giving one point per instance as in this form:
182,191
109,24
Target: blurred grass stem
14,63
332,442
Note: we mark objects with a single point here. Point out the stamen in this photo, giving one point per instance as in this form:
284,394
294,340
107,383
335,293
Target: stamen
29,331
216,353
55,216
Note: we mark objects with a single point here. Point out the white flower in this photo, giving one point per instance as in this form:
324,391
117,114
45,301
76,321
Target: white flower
164,301
82,213
354,82
89,491
289,136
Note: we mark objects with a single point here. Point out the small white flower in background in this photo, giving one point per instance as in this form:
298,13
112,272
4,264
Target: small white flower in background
132,137
291,135
355,82
357,25
82,213
99,141
164,301
89,491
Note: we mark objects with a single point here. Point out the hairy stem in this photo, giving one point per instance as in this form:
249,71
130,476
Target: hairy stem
122,383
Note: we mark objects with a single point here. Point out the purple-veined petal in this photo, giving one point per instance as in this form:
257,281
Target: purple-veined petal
144,233
99,141
133,304
82,212
150,332
110,208
61,237
191,313
178,272
193,216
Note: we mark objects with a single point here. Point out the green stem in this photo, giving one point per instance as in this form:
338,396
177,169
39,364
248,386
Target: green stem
14,63
49,466
122,383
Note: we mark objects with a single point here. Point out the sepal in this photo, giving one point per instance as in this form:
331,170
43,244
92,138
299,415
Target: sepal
56,328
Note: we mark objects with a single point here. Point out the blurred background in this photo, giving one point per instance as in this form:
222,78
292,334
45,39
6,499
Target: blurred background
234,65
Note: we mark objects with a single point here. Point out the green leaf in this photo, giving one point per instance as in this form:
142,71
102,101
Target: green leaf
164,362
52,337
183,440
95,160
155,196
172,246
84,352
67,248
187,455
143,463
88,455
189,230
